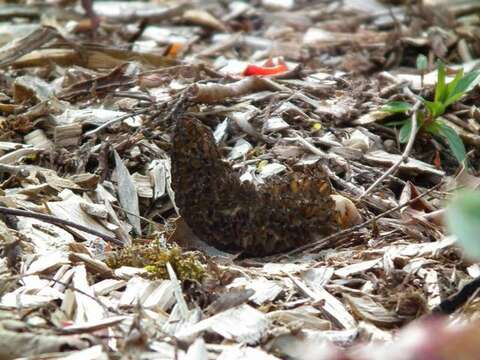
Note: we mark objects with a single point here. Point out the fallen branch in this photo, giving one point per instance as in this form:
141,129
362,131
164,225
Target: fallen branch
54,220
213,93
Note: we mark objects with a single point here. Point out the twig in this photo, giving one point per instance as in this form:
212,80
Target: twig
117,119
16,49
54,220
377,202
151,222
179,105
374,201
310,147
403,158
313,246
213,93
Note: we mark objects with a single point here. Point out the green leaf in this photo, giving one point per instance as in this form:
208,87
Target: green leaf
462,86
395,107
441,89
433,128
453,84
436,108
463,220
454,141
422,62
404,132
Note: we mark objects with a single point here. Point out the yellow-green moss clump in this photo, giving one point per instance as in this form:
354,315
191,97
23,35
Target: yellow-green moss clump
153,258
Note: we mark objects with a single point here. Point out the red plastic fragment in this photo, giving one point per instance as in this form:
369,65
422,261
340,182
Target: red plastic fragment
268,68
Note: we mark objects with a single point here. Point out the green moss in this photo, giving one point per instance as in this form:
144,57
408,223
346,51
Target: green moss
153,258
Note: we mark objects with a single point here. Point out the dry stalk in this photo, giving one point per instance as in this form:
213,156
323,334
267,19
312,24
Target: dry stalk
403,158
57,221
116,120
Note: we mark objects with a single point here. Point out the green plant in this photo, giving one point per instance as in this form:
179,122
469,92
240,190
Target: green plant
463,220
422,66
154,258
429,118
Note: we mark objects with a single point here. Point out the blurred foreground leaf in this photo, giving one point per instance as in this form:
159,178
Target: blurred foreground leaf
463,220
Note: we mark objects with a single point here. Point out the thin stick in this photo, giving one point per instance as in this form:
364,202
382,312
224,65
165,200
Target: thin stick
376,201
310,147
352,229
116,120
151,222
54,220
403,158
